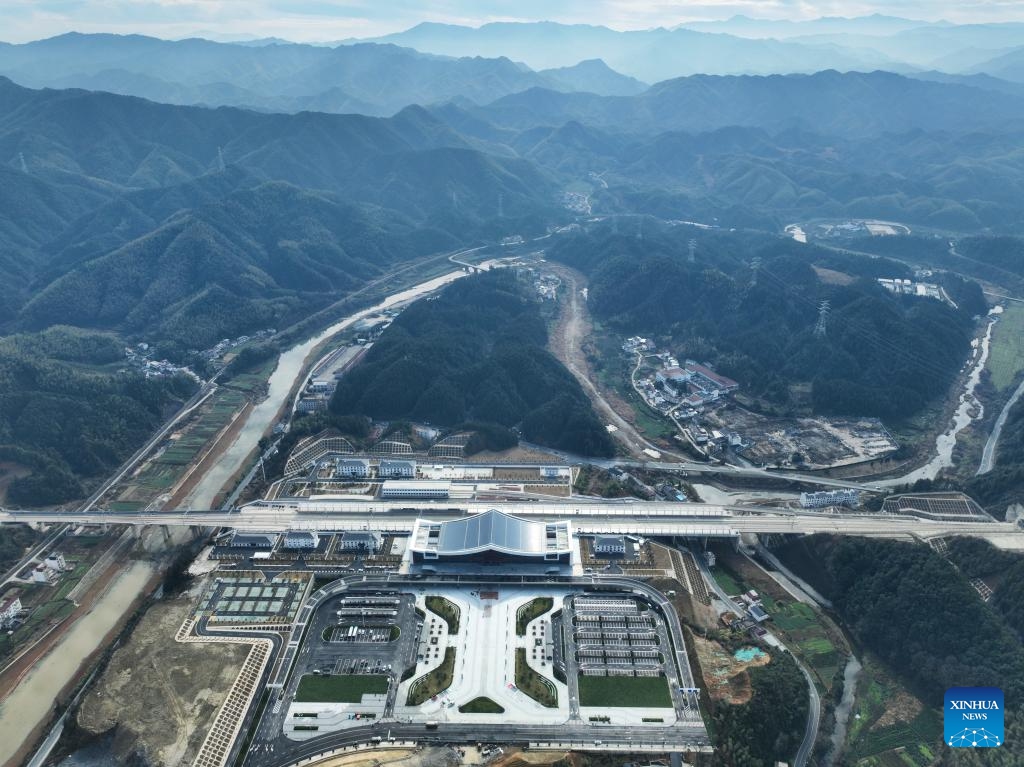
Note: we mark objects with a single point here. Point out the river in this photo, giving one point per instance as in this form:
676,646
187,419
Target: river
962,418
289,367
843,710
31,702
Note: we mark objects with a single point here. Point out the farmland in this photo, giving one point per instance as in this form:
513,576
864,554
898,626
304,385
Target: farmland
1006,358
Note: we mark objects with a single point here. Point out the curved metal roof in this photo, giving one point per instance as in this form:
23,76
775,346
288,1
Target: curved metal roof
496,531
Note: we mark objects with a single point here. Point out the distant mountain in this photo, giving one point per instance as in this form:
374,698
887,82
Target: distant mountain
1007,66
852,104
875,24
263,256
283,77
951,48
983,81
95,186
648,55
593,76
131,143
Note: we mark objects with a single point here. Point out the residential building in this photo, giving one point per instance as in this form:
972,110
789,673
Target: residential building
43,574
254,540
10,608
300,540
359,540
56,562
353,468
395,469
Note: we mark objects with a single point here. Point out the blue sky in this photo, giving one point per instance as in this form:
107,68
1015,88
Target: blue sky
318,20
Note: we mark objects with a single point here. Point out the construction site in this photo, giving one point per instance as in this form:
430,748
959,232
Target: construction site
810,443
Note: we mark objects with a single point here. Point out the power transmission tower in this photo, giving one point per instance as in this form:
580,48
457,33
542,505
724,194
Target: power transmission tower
220,160
755,266
501,206
693,251
24,165
615,224
640,228
820,325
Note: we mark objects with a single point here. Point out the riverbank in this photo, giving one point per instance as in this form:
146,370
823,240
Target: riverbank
27,709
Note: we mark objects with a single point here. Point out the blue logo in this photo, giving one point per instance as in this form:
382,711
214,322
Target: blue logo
974,717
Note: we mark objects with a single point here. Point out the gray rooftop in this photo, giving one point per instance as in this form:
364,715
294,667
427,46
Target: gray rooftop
494,530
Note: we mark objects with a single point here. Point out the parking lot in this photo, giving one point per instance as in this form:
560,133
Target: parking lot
359,633
613,637
617,659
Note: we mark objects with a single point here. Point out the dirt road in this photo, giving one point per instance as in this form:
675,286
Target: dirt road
566,344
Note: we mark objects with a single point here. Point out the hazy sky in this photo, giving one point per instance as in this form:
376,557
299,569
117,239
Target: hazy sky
318,20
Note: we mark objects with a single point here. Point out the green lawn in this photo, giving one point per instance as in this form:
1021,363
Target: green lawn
430,684
533,684
728,581
1006,357
531,610
482,705
635,692
445,609
345,688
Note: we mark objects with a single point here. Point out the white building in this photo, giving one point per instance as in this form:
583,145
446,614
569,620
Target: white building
390,468
426,490
358,468
10,608
43,574
357,540
841,497
56,562
300,539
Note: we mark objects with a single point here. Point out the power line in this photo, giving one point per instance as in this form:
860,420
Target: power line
820,327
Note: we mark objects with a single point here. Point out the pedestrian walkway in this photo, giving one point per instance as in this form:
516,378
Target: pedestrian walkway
219,741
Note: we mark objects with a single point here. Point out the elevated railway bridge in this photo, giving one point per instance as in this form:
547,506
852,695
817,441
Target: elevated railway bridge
586,517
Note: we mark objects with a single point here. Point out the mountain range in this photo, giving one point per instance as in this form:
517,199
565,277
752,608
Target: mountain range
366,78
191,223
737,46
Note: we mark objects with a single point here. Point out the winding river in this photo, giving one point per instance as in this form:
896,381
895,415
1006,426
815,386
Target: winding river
962,418
289,368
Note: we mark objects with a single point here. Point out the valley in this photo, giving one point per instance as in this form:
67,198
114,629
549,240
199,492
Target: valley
521,391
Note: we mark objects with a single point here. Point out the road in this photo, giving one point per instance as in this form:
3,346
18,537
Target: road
814,709
988,455
567,346
686,735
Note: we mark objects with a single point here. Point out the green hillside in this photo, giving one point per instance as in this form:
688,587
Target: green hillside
476,353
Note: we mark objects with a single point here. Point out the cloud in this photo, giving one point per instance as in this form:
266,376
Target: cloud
310,20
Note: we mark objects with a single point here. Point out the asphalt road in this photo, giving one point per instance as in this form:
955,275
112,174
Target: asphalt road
274,750
814,710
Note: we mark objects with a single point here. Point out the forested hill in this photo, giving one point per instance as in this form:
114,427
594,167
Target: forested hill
107,145
881,355
261,257
475,353
66,413
924,620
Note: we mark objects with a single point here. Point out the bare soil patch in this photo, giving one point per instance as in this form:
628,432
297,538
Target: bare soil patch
162,695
